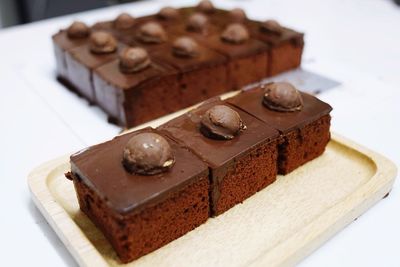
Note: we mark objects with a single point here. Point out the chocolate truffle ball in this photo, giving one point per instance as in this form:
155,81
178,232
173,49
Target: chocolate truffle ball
102,43
77,30
221,122
271,26
197,23
148,154
152,32
134,59
124,21
185,47
235,33
205,6
238,15
168,13
283,97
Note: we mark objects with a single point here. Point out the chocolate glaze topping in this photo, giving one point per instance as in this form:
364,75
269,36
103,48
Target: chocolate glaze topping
168,13
235,33
78,30
197,23
124,21
205,6
185,47
238,15
152,32
271,26
134,59
148,154
283,97
221,122
102,43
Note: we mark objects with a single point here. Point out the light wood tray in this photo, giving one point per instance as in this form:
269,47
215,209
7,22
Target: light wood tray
276,227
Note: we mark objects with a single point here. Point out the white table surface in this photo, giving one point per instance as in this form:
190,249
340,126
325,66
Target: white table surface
355,42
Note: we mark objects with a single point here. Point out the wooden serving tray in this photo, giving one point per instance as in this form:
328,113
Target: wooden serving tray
278,226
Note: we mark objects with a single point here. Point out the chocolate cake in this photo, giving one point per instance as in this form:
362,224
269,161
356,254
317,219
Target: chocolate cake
77,34
286,45
239,51
302,120
193,62
82,60
240,150
142,190
247,57
134,88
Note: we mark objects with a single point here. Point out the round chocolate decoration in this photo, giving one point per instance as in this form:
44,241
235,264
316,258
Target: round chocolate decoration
124,21
168,13
221,122
134,59
78,30
205,6
283,97
102,43
148,154
235,33
271,26
238,14
152,32
197,23
185,47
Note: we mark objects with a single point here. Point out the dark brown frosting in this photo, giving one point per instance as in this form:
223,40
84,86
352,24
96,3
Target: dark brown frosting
152,32
282,96
185,47
77,30
134,59
271,26
148,154
168,13
205,6
238,14
235,33
197,23
221,122
124,21
102,43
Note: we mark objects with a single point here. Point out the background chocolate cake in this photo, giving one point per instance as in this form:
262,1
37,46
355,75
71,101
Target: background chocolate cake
241,51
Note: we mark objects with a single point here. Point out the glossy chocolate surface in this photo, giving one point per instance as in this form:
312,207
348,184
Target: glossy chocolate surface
92,60
251,101
205,57
100,167
217,153
111,73
247,48
62,40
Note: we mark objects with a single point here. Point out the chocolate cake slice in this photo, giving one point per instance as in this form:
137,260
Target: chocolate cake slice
302,119
77,34
82,60
240,150
134,88
286,44
142,190
202,71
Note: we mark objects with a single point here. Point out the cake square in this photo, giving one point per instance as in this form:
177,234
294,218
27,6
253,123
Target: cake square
61,44
247,60
81,62
286,45
140,213
134,98
202,73
239,167
304,133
